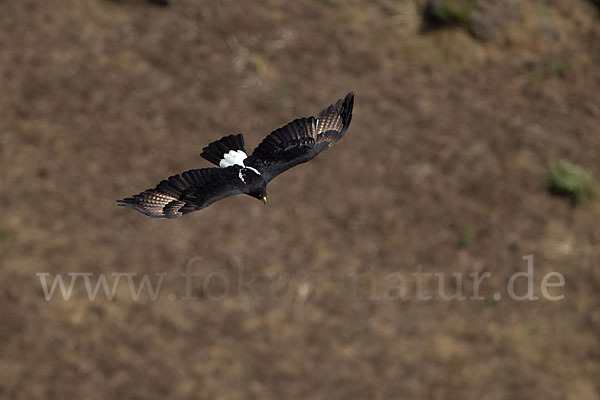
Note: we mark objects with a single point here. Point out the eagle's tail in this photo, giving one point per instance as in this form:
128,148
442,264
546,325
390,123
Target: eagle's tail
214,152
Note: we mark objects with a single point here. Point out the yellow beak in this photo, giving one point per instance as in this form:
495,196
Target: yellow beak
265,199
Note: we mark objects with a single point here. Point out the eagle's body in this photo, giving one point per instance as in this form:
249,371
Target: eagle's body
299,141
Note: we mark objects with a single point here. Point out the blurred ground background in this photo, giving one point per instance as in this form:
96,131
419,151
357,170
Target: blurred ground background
442,167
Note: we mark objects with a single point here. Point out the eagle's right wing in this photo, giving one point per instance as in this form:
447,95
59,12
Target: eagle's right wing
190,191
302,139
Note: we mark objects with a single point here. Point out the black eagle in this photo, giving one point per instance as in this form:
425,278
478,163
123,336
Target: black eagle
297,142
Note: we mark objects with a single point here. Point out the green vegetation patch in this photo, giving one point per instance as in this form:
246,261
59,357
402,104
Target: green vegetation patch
451,14
570,180
466,236
448,13
558,68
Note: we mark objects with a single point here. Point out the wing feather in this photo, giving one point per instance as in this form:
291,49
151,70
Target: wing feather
190,191
302,139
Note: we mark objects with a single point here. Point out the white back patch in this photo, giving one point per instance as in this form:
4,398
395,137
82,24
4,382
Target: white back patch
243,170
233,157
254,169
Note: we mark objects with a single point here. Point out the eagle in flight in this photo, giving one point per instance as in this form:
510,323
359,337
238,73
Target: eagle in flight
297,142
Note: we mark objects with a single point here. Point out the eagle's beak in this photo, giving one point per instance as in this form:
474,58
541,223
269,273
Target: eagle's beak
265,199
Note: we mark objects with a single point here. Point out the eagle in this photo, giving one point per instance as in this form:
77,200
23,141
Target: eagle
295,143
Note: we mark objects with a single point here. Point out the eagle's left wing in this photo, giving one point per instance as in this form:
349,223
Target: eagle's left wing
190,191
302,139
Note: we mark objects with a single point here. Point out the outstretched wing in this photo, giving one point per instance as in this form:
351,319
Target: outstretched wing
302,139
190,191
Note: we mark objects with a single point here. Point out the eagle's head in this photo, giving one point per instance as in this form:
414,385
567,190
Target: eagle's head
256,182
260,193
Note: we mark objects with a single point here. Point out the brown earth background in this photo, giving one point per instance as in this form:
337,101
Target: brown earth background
443,167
